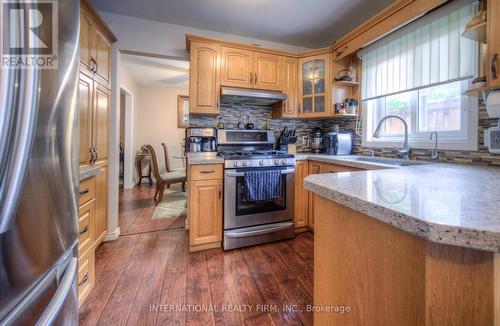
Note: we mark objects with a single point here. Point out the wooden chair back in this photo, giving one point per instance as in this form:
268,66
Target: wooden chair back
165,152
154,163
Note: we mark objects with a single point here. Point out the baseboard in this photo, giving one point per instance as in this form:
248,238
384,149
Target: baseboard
110,236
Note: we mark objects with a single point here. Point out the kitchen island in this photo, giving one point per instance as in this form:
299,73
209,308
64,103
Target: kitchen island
410,246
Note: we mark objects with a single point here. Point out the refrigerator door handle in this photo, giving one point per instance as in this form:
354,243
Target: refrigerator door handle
19,89
57,302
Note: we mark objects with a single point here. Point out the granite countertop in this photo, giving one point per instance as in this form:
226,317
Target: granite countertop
352,160
88,172
446,203
203,158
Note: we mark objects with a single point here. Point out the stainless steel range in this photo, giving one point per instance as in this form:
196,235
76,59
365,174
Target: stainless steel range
249,222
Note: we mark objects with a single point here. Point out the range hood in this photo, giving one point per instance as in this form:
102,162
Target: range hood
250,96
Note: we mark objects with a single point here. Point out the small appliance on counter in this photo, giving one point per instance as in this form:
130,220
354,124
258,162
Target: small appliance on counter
201,140
337,143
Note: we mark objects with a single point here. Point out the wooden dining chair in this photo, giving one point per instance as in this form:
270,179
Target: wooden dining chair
167,165
164,179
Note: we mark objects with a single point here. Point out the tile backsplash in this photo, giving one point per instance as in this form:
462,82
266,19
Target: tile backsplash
231,114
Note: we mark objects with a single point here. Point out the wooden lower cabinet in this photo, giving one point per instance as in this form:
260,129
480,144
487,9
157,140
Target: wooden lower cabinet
304,200
314,168
301,195
101,219
86,274
93,219
205,208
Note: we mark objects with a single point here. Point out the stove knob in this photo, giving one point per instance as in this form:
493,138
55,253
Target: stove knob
276,162
236,164
283,162
245,163
261,162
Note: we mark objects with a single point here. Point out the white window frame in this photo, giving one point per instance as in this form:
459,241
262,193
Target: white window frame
466,139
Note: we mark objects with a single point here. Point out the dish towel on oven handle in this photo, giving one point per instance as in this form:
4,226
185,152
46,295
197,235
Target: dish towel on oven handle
262,185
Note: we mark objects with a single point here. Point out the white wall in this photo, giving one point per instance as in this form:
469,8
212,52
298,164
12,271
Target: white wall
156,122
161,38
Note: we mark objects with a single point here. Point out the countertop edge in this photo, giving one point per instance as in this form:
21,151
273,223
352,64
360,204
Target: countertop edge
439,233
88,172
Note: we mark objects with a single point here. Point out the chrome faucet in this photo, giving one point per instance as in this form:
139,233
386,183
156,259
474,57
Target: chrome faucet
400,152
434,152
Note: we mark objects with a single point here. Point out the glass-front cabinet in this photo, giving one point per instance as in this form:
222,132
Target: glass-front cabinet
315,87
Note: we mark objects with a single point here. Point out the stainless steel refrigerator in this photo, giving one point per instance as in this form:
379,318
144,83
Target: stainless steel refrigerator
39,176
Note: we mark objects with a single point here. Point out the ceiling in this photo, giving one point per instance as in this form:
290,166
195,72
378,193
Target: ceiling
306,23
150,71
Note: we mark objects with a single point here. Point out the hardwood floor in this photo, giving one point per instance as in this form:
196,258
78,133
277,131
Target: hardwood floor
149,278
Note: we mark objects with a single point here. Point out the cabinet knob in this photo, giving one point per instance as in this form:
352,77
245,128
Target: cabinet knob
84,279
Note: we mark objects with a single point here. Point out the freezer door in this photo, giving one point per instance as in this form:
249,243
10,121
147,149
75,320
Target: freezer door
39,162
53,300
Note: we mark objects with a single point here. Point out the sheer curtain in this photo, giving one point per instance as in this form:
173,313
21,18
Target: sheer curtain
427,52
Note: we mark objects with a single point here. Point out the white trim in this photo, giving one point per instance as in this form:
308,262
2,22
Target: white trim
128,173
111,236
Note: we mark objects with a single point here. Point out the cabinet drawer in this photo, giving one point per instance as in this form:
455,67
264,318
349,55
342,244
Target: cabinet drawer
206,172
86,190
86,272
86,226
334,168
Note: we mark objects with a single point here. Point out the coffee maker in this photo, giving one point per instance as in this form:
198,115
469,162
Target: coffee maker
201,140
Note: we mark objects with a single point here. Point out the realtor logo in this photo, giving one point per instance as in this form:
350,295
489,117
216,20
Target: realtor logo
29,34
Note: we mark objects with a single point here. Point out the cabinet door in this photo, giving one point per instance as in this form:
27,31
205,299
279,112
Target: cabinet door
205,212
85,104
102,57
268,71
493,43
301,195
314,168
101,204
86,40
100,122
237,68
315,87
86,226
334,168
204,80
290,87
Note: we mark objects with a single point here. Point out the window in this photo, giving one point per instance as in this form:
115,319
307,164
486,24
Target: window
442,108
182,111
420,73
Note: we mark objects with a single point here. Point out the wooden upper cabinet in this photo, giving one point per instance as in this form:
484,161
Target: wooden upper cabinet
204,79
267,71
237,68
95,43
288,109
249,69
102,57
493,21
85,105
86,40
100,121
315,87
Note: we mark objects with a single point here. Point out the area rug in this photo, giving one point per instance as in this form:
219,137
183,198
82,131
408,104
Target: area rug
172,205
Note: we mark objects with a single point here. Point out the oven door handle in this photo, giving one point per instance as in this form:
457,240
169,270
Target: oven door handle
243,234
241,174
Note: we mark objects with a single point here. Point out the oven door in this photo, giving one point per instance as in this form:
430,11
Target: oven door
239,213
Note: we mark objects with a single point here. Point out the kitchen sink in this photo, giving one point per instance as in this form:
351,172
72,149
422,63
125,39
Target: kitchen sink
395,162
